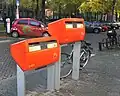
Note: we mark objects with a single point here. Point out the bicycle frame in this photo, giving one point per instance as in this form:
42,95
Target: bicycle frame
85,53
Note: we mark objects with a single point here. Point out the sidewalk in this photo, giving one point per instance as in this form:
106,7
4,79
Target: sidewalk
3,33
99,78
69,87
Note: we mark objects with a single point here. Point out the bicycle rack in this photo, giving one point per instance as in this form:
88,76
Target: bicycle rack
109,43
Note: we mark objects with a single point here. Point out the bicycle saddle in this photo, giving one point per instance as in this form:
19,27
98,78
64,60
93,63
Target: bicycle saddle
87,43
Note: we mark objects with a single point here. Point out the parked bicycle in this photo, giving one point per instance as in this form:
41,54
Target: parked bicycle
111,41
67,59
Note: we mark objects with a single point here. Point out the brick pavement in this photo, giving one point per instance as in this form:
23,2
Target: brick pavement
7,64
36,81
99,78
8,72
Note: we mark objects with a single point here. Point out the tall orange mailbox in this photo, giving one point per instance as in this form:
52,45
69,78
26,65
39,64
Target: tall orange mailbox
35,53
67,30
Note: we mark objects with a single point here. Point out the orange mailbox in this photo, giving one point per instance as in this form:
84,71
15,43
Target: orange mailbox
67,30
35,53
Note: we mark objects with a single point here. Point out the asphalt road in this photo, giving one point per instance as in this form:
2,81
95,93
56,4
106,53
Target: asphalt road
100,77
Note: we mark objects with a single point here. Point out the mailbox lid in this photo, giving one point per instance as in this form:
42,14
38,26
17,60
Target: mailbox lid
57,28
73,19
41,39
19,46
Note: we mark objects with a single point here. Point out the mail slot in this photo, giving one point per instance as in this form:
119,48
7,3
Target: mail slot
35,53
67,30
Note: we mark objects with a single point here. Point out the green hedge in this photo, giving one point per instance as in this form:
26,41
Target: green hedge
2,28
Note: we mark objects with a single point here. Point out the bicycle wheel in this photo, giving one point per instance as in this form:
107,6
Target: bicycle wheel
84,58
66,65
109,44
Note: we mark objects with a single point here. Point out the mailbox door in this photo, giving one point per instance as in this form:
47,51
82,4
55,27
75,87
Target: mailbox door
41,59
75,30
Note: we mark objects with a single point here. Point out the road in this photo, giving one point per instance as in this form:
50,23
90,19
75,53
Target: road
100,77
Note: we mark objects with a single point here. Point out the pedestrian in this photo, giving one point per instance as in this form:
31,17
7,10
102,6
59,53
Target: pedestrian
4,20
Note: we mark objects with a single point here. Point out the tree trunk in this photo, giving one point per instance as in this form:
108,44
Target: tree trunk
113,8
87,17
101,15
116,16
43,11
95,16
33,5
37,8
60,11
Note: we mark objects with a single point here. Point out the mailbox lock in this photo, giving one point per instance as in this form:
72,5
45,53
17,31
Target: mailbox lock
31,65
54,55
82,33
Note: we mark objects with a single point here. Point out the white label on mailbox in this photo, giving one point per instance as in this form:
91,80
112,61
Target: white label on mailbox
51,45
34,48
79,25
69,25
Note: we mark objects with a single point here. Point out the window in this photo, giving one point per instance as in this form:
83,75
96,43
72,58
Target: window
86,23
34,23
42,24
25,22
14,21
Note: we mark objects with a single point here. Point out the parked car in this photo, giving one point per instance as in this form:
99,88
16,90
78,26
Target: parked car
116,25
104,27
91,28
28,27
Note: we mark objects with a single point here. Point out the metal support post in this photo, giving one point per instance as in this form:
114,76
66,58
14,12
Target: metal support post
50,77
53,75
17,13
8,25
57,73
76,60
17,9
20,82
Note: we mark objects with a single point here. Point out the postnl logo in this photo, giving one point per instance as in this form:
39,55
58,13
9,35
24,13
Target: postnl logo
26,29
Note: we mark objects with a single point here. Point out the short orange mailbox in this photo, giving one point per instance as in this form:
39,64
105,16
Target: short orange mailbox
67,30
35,53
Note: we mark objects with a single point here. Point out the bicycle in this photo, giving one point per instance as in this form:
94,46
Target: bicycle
67,59
110,42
